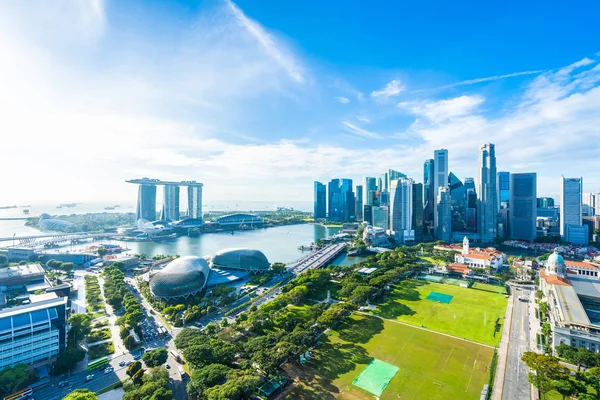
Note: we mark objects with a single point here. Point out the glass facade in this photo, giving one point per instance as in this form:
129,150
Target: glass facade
194,202
341,200
504,189
570,203
320,201
523,206
170,210
428,192
487,212
146,207
359,203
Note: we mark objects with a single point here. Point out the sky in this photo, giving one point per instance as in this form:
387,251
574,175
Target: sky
257,99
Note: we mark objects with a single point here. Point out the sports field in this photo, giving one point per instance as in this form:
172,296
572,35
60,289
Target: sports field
471,314
430,366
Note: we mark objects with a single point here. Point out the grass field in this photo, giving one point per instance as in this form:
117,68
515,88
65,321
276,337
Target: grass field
463,317
432,366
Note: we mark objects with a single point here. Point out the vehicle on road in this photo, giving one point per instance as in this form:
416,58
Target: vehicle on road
137,357
108,370
167,366
181,371
20,395
89,377
98,363
63,383
122,363
176,356
128,363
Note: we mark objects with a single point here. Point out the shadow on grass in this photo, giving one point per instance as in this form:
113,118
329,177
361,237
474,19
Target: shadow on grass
335,359
392,310
360,330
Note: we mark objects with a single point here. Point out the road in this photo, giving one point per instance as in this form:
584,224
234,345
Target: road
516,386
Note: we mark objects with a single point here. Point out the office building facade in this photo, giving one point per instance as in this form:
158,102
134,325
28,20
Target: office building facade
545,202
368,213
417,211
523,206
591,204
359,203
170,211
341,200
320,201
504,189
146,204
440,173
429,196
401,210
471,205
194,194
381,217
443,227
32,333
487,209
369,190
571,193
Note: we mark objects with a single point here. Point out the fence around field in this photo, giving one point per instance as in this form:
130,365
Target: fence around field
443,279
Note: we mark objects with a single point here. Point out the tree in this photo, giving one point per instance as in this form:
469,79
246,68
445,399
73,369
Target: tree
13,378
539,294
68,359
298,294
278,267
592,376
3,260
545,369
80,327
129,342
361,294
80,394
102,252
565,387
134,368
156,357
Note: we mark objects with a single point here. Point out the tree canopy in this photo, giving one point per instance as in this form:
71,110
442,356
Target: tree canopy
80,394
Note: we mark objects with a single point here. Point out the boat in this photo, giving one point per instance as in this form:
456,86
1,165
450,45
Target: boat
109,208
7,207
25,211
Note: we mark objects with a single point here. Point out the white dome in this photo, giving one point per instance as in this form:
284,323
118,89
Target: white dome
556,264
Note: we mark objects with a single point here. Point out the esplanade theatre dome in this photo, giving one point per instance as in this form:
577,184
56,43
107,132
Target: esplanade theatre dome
181,278
241,259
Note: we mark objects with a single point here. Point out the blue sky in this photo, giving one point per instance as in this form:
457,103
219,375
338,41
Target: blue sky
259,98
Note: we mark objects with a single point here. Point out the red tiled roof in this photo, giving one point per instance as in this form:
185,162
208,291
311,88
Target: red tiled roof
554,280
579,264
463,269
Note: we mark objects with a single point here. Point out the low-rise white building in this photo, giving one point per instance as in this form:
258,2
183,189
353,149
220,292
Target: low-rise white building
475,258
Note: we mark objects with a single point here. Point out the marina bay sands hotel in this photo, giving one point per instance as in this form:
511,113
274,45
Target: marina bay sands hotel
146,202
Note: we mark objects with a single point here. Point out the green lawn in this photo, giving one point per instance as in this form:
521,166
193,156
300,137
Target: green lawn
432,366
464,317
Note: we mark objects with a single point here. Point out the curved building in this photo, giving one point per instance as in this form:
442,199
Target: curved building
241,259
239,220
181,278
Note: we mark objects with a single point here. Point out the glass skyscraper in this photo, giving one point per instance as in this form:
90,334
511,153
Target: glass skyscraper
571,195
523,206
428,193
417,211
359,203
146,206
488,193
369,189
401,209
170,211
194,193
341,200
504,189
320,200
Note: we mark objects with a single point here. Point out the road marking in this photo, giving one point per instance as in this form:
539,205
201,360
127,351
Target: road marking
448,358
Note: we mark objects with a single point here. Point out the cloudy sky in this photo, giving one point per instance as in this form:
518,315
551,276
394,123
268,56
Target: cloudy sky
259,99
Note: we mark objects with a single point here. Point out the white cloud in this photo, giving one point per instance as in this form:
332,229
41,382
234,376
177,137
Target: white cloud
358,131
481,80
364,119
391,89
444,109
343,100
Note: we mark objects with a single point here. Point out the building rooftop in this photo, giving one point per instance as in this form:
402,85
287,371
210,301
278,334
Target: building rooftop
579,264
463,269
41,305
24,271
586,286
570,305
36,298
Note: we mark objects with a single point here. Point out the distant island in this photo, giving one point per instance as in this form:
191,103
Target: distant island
7,207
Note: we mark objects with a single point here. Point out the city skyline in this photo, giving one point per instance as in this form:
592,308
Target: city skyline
105,97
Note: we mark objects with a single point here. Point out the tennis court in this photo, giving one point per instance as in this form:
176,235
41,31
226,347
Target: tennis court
376,376
440,297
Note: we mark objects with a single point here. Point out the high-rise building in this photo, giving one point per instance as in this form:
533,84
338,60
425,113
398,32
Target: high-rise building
545,202
170,211
359,203
368,213
440,175
382,182
458,200
194,194
571,193
320,200
429,196
393,175
369,189
504,189
487,209
146,205
591,204
471,205
401,210
341,200
384,199
523,206
417,211
33,333
381,217
443,226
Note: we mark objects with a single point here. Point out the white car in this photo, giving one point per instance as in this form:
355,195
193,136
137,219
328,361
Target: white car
89,377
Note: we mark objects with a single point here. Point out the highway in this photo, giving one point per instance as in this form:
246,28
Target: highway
516,385
317,259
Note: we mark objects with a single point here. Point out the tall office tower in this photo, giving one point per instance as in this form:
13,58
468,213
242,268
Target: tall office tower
369,189
443,214
384,199
417,211
523,206
320,201
393,175
146,204
341,200
381,217
359,203
429,196
170,211
470,205
194,194
368,213
571,227
401,210
487,210
383,182
440,173
591,204
545,202
504,189
458,201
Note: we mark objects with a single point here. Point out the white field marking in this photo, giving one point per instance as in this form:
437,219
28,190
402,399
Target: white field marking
472,370
448,358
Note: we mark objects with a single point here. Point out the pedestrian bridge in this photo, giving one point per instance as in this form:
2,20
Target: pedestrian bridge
50,238
317,259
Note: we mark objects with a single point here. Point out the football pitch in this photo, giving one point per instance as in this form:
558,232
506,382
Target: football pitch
430,366
471,314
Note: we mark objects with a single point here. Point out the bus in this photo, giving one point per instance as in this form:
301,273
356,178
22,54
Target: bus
181,371
20,395
175,355
100,362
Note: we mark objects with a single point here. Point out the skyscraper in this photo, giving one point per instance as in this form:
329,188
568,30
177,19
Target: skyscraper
401,209
194,193
341,200
488,193
440,173
545,202
347,200
146,205
359,203
393,175
571,191
417,211
523,206
429,197
471,205
458,201
443,226
369,189
380,217
382,182
591,204
504,189
170,211
368,213
320,200
334,200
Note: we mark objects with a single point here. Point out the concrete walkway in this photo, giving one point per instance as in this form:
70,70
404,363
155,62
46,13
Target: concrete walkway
503,352
424,329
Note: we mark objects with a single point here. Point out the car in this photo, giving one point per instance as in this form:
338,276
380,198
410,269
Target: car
137,357
128,363
122,363
108,370
167,366
63,383
89,377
